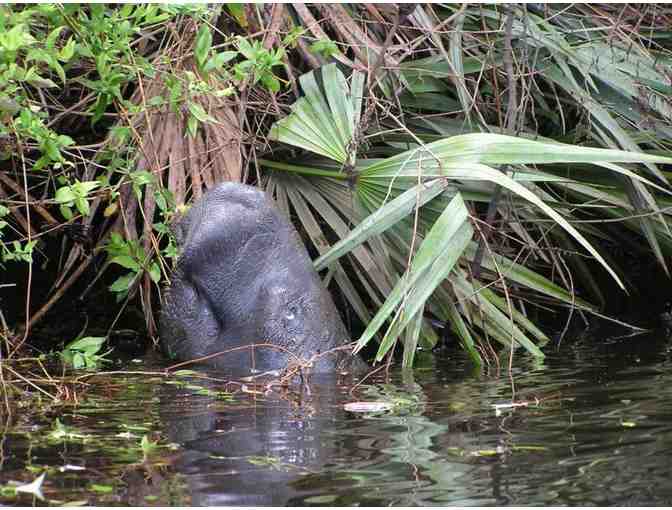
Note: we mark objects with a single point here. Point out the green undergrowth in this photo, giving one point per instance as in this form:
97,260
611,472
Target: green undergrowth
453,167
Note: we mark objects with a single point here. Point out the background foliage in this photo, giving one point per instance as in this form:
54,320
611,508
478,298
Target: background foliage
406,145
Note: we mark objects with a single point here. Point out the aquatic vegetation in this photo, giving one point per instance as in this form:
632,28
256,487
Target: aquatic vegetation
83,353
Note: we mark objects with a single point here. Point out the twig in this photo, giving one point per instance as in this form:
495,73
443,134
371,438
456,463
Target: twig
28,199
30,383
227,351
37,316
510,121
374,371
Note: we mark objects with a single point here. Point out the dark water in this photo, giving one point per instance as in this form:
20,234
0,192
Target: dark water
594,428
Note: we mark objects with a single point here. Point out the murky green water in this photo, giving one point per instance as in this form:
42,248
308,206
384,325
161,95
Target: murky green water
594,426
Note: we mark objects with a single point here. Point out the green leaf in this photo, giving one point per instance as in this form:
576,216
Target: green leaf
85,187
203,45
523,276
219,59
126,261
238,12
8,105
155,272
494,149
382,219
456,158
142,178
51,38
444,244
66,212
64,195
89,344
340,105
123,283
324,47
462,331
357,96
147,446
67,51
270,82
65,140
246,48
192,126
39,82
411,339
440,260
496,322
103,489
199,113
323,121
82,205
16,38
51,149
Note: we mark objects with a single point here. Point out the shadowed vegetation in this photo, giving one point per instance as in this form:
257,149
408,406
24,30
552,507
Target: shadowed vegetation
453,168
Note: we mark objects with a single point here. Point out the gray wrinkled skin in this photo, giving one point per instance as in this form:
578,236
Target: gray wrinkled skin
243,278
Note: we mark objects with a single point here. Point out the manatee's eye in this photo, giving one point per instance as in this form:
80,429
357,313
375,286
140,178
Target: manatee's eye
291,312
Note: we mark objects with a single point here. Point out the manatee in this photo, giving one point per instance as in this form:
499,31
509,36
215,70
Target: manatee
244,277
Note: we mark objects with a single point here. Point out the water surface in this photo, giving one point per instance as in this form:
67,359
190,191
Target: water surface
592,425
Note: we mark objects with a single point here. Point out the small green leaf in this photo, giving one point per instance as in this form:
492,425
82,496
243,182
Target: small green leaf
65,140
91,344
66,212
123,283
82,189
155,272
82,205
8,105
51,149
51,38
203,45
83,352
142,177
39,82
103,489
185,373
324,47
67,51
156,101
64,195
270,82
219,59
16,38
238,12
126,261
192,126
200,114
246,48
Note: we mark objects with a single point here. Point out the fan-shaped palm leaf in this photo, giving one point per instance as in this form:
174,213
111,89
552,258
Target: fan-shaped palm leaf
386,194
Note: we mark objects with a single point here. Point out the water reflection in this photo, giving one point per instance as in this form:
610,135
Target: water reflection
594,427
596,430
251,451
